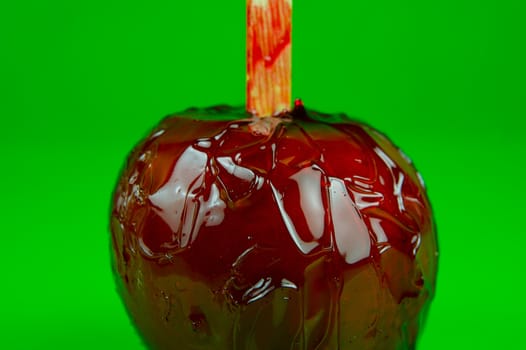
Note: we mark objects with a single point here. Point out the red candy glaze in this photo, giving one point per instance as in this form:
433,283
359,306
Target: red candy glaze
316,236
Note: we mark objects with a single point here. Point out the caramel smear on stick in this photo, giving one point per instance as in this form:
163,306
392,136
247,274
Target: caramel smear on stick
269,29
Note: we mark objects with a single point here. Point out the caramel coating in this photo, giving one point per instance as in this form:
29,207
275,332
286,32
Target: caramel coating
314,235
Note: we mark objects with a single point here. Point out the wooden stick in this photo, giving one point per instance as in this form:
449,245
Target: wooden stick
269,29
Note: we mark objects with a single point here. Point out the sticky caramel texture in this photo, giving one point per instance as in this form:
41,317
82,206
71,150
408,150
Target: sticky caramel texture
318,235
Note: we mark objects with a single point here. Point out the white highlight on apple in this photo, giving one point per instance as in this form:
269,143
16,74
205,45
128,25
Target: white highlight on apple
180,203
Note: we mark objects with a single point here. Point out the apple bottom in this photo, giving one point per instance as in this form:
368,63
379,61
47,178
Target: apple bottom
337,307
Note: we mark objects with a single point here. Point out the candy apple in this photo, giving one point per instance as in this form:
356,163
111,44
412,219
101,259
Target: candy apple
317,235
272,230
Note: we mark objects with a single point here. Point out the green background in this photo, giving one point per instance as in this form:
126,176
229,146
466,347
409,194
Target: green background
82,81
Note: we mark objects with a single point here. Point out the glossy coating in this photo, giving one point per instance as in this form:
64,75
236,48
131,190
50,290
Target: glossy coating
314,235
